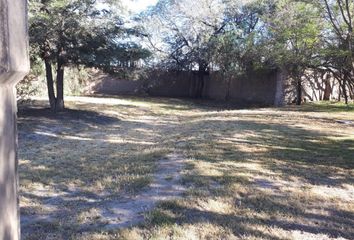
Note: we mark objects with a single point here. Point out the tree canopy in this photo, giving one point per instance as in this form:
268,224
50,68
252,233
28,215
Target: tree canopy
229,36
79,32
234,36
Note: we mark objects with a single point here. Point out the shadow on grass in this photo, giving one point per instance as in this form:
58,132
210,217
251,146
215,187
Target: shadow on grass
89,117
86,157
84,147
62,222
241,225
280,141
286,151
188,104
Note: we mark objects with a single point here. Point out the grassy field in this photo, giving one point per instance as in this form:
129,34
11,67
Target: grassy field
248,173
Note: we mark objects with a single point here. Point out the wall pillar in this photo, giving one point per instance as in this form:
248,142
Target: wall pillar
280,95
14,65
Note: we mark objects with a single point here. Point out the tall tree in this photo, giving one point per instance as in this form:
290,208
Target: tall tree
182,32
240,47
234,36
295,39
339,41
206,34
73,32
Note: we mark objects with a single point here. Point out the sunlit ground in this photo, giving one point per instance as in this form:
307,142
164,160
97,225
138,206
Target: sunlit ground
249,174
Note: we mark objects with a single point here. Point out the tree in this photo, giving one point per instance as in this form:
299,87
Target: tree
26,88
182,32
295,39
338,56
78,32
240,47
234,37
206,34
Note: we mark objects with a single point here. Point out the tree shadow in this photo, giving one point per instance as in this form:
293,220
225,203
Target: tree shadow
101,155
187,104
334,223
288,151
284,151
88,117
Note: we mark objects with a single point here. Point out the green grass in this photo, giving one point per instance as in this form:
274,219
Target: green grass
250,174
328,106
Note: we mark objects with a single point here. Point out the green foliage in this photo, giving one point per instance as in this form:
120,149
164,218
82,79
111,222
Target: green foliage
77,80
81,32
30,85
181,36
230,36
241,47
235,36
294,35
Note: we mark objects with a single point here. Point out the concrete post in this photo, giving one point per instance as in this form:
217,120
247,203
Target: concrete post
14,65
279,98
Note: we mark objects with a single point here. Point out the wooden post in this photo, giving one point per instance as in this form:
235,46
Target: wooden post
14,65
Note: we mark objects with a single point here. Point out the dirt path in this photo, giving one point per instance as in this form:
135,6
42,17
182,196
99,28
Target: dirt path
166,186
113,213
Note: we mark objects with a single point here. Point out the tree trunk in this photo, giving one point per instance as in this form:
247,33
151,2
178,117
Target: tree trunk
328,88
351,90
339,91
200,82
298,91
344,90
50,84
59,104
227,97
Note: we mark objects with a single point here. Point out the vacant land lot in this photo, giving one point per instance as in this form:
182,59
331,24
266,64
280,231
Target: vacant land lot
131,168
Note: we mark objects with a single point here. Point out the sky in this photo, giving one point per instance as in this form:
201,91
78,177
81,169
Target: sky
137,6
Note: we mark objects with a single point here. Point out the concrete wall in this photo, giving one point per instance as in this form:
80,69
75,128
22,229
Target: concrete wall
14,64
265,87
110,85
9,218
155,83
169,83
319,86
257,87
316,86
